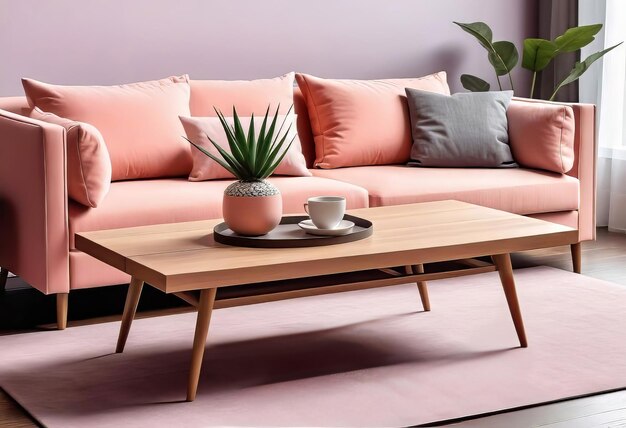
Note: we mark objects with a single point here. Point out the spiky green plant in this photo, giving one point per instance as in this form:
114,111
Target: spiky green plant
252,157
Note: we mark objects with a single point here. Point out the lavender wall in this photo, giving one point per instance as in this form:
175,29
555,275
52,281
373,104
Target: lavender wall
116,41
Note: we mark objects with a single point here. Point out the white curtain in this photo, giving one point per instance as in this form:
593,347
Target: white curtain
604,85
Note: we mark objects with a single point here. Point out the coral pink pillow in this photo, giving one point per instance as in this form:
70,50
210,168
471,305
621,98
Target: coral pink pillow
249,96
139,121
205,168
362,122
541,135
88,162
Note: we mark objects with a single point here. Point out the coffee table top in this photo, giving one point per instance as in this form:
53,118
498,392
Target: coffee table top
183,256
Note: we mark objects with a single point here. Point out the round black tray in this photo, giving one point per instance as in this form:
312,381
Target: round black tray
289,235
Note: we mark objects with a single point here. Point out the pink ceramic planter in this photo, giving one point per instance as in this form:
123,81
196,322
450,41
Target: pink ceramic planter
252,209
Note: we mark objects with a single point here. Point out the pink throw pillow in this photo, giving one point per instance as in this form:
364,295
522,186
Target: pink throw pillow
249,96
139,122
541,134
362,122
88,162
205,168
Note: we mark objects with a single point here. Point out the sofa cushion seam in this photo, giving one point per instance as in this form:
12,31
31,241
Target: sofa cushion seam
310,97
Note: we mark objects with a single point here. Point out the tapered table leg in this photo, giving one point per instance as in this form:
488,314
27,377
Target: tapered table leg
421,285
503,264
576,250
205,308
422,288
130,308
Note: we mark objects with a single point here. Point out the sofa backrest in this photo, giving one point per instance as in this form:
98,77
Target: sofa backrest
19,105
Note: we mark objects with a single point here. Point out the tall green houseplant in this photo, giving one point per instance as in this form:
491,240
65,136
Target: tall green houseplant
536,56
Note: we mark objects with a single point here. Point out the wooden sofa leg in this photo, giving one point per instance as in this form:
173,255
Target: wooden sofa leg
4,274
62,299
577,256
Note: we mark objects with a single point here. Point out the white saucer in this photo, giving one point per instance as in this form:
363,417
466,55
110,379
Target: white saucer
343,228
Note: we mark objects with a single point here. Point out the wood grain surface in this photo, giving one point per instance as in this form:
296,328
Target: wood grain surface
184,256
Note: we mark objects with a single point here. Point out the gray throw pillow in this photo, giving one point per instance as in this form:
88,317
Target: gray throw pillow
460,130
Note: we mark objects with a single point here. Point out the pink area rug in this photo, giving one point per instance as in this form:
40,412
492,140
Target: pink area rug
365,358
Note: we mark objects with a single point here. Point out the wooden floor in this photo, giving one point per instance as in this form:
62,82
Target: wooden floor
604,259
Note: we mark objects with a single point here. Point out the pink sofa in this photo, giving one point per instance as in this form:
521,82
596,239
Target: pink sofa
38,222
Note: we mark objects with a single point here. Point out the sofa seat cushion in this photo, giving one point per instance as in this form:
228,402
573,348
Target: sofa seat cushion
144,202
516,190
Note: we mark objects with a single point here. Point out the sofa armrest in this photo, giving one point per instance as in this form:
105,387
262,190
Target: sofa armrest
585,155
33,202
584,169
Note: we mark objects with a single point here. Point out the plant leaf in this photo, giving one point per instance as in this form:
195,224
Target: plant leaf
283,122
577,37
504,57
225,165
269,137
236,137
230,137
265,151
261,141
240,136
251,157
242,171
272,155
480,31
274,150
272,128
270,170
238,164
474,84
252,143
581,67
538,53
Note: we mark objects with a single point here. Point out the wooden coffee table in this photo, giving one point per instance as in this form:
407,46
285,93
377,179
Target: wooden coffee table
183,259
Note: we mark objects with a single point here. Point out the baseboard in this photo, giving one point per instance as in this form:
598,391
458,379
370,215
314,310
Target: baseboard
14,282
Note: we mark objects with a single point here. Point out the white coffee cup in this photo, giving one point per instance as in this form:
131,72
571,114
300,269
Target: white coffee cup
326,212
